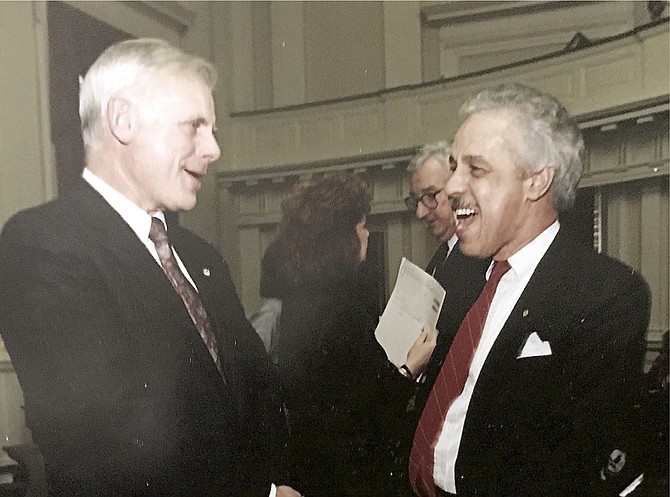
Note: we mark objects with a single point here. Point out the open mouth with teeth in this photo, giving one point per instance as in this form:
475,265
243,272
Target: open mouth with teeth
465,213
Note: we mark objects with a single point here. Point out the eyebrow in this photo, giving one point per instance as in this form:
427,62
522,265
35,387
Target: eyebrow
195,120
474,159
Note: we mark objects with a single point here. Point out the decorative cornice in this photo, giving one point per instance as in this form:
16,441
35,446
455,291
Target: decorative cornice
445,13
638,111
359,164
599,122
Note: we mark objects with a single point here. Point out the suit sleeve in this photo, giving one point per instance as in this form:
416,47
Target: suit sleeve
613,365
263,437
600,373
57,322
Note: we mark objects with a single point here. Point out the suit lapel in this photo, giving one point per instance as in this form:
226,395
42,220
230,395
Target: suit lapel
118,241
205,274
535,311
435,263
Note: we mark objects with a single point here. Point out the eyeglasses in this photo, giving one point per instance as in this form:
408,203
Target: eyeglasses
427,199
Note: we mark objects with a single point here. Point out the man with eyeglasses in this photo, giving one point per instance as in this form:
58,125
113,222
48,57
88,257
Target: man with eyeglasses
462,277
430,172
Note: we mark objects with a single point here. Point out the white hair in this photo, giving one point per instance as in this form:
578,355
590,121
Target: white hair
124,64
552,138
439,150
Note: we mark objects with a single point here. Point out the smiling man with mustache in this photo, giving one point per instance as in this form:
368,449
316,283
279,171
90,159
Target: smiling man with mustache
530,399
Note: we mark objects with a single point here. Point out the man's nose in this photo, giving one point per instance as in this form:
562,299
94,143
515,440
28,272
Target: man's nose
210,148
421,210
456,183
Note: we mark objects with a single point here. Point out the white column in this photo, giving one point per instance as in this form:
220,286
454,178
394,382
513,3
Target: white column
402,43
242,50
288,53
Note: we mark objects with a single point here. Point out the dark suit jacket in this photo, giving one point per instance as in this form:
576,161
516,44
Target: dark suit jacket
120,391
344,397
545,425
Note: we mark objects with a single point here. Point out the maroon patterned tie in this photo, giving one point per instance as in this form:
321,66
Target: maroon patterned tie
449,385
158,235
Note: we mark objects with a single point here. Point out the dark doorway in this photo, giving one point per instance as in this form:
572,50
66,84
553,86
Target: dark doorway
75,41
579,221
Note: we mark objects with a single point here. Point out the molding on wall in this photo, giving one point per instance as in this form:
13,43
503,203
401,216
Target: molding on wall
444,14
639,111
47,149
602,121
174,15
361,163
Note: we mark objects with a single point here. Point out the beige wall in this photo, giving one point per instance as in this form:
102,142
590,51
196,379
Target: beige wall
26,158
344,49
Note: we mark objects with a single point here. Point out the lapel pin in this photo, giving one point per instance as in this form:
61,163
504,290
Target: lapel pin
525,313
206,271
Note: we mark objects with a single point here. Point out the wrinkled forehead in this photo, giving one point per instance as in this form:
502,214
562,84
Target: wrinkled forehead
431,176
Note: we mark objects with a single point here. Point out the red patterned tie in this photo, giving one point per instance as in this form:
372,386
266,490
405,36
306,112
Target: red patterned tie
158,235
449,385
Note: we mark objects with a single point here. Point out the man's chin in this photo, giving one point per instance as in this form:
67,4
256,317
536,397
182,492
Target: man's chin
183,205
473,249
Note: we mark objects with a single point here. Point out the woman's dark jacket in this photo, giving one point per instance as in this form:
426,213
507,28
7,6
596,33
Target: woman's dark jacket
345,401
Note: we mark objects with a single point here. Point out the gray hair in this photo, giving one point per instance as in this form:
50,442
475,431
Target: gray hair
551,136
123,65
439,150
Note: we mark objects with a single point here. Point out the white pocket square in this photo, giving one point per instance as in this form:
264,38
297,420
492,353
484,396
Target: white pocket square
535,347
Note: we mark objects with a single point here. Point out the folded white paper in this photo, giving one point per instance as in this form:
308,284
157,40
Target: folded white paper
416,301
535,347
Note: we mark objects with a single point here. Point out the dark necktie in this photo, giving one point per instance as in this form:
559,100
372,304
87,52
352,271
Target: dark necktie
449,385
158,235
438,260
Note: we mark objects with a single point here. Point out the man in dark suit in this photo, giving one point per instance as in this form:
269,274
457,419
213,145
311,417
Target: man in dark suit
140,373
462,277
533,402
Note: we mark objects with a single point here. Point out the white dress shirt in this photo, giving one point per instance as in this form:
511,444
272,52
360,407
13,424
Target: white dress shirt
507,294
451,243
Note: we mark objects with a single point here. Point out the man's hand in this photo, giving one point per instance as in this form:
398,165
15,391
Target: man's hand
285,491
419,354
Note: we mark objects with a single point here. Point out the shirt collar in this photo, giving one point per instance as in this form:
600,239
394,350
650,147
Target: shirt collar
525,261
451,243
138,219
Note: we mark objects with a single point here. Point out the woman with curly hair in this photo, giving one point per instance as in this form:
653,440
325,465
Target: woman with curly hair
344,398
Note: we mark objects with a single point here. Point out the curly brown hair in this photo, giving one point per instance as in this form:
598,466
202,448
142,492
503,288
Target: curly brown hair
316,239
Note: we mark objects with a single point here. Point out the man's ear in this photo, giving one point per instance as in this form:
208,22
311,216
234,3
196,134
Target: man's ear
540,182
121,119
